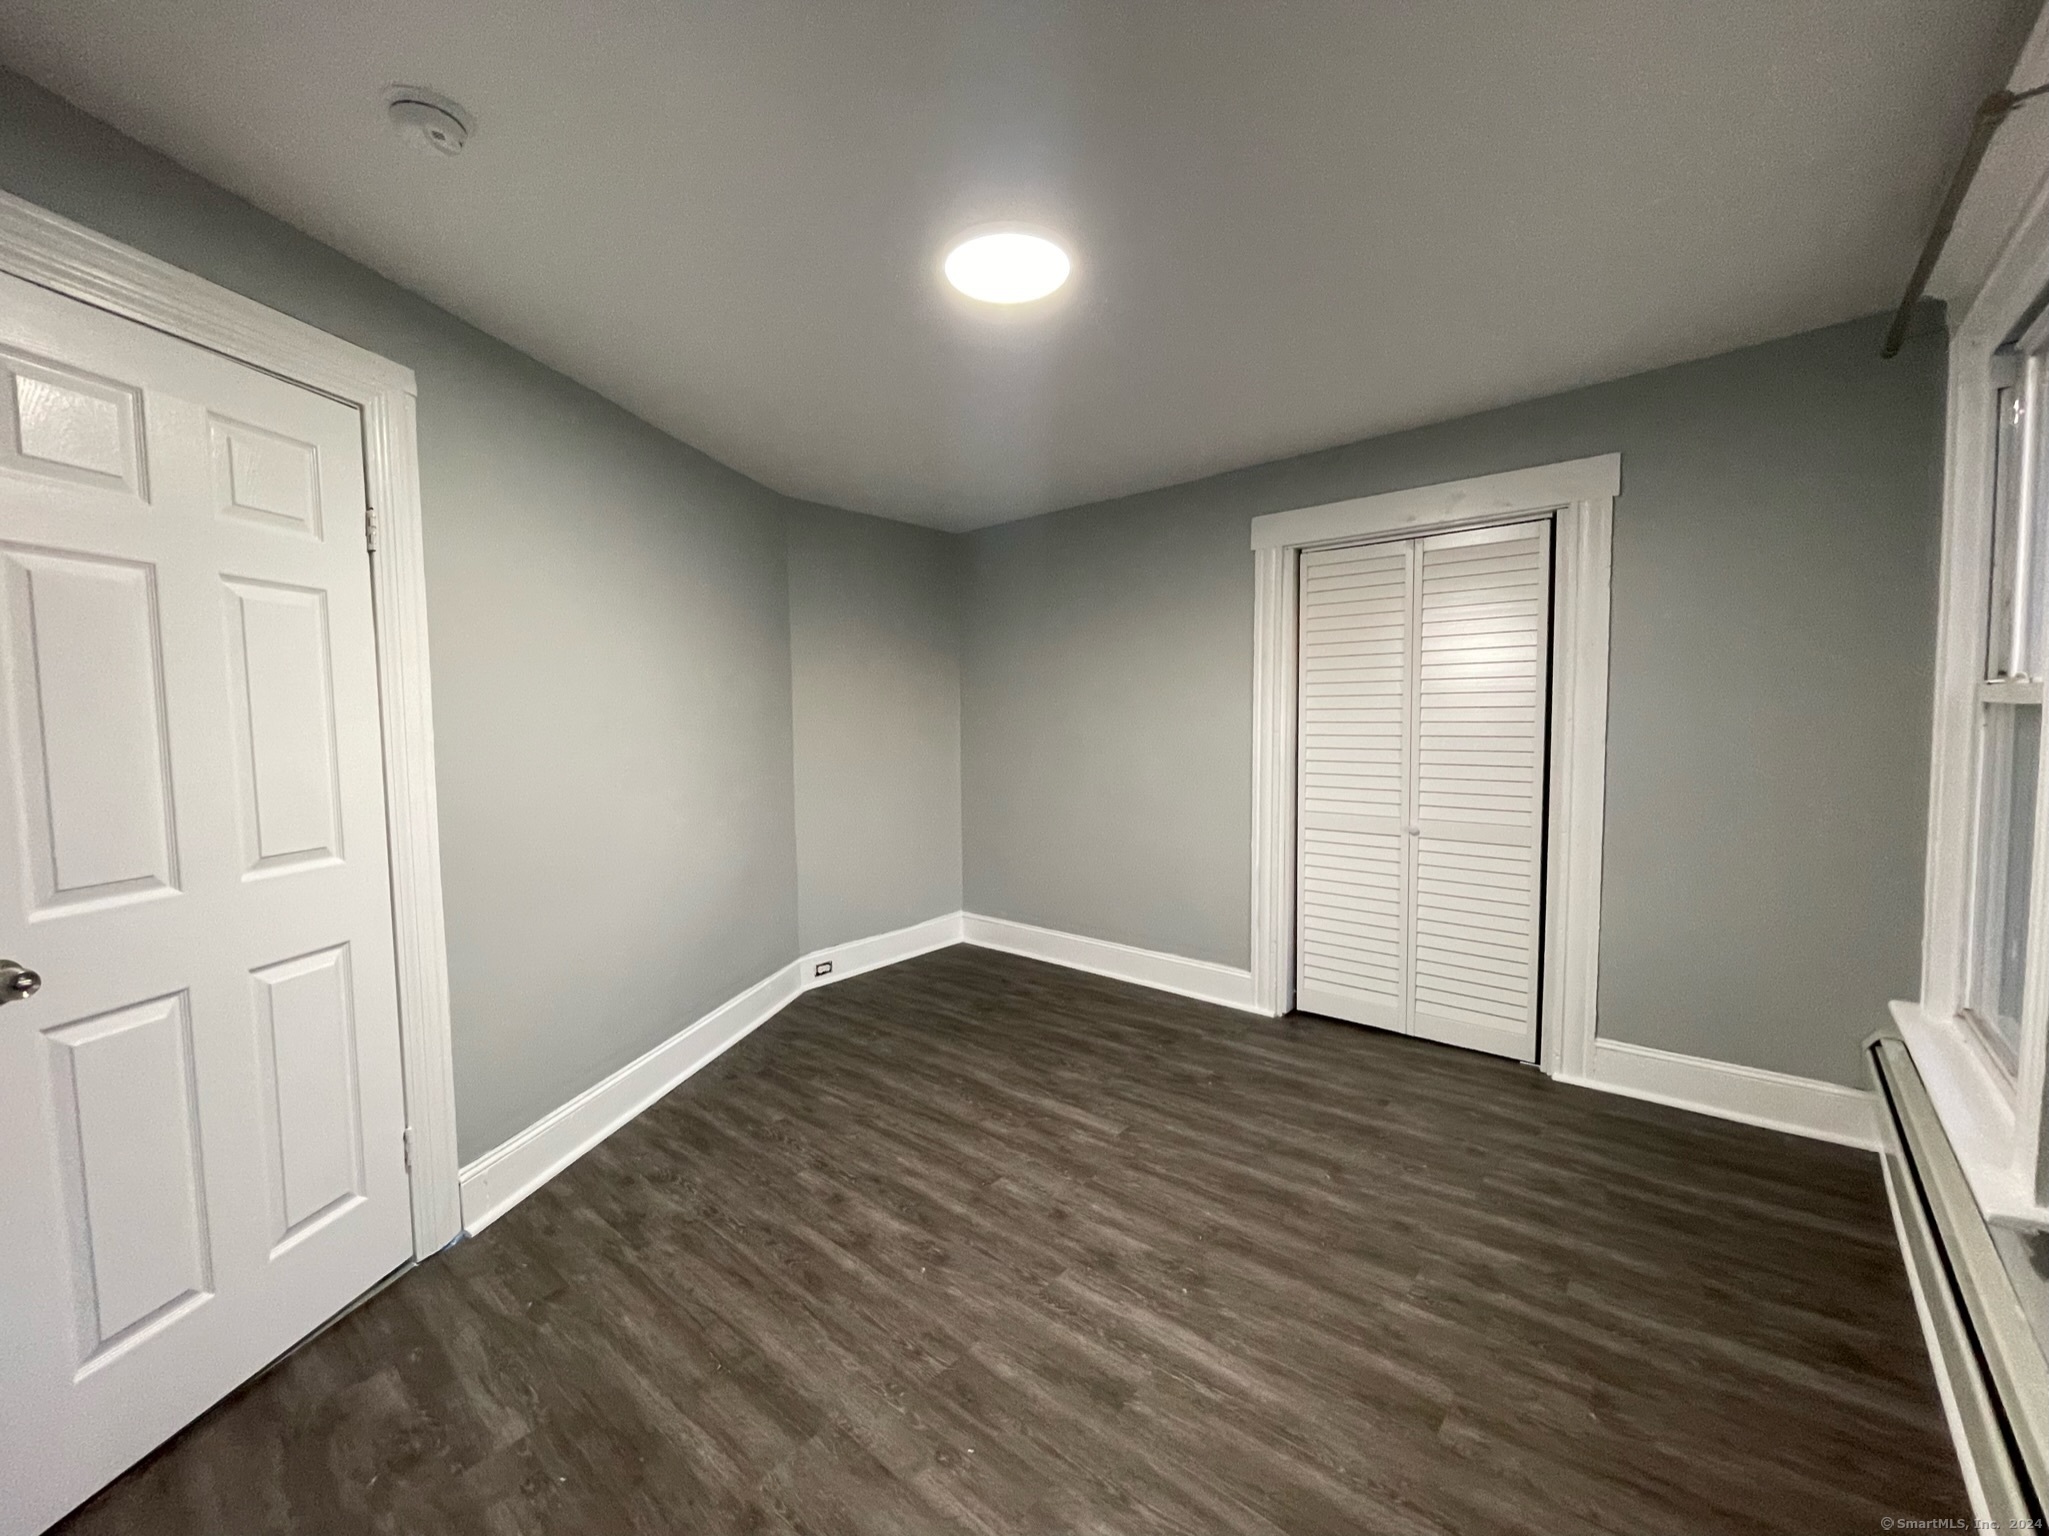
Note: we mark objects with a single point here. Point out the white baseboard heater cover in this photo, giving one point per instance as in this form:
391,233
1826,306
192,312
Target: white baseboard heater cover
1994,1381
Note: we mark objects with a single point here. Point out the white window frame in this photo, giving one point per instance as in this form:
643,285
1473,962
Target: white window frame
1991,800
1992,1117
1580,496
54,253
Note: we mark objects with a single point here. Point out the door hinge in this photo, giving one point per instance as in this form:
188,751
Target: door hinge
370,529
406,1141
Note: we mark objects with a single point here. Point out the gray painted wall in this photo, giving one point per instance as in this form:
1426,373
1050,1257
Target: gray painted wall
1106,724
610,635
1773,633
875,690
627,762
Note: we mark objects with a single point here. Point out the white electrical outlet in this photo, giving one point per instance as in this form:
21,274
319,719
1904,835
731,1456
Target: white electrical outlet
823,968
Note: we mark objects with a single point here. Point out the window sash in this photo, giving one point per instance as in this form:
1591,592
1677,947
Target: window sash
2007,807
2003,858
2014,622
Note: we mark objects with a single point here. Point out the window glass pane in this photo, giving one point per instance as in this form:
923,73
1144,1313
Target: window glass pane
2006,835
2013,640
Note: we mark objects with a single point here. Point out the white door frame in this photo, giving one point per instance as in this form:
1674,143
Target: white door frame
69,259
1580,494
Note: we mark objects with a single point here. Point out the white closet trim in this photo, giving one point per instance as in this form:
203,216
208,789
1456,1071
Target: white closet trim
1581,496
70,259
1456,503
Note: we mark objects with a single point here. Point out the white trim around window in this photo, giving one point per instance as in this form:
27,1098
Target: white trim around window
68,258
1580,496
1993,1119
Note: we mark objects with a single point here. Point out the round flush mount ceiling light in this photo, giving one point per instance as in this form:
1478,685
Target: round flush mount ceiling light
427,120
1007,266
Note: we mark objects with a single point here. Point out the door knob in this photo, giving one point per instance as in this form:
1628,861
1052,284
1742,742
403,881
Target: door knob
17,982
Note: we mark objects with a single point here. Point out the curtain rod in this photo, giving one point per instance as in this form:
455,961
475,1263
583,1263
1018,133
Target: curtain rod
1992,111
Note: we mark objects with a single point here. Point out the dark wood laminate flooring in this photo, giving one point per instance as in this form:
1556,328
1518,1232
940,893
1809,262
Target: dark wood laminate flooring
975,1244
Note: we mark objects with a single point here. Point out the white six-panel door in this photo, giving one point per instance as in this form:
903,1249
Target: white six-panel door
201,1111
1424,678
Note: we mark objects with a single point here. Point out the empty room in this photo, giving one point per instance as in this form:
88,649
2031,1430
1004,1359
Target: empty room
1023,767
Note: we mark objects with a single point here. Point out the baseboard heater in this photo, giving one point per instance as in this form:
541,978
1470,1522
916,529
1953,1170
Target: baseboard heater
1994,1381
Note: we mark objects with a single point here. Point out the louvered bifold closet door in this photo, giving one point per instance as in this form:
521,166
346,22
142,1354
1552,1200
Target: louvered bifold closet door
1352,914
1483,674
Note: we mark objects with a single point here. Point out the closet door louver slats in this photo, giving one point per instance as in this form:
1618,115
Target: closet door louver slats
1424,691
1483,669
1353,786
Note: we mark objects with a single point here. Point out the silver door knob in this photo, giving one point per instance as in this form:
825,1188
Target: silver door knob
17,982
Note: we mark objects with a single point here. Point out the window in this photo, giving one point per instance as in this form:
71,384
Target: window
2009,761
2013,640
2009,722
1980,1032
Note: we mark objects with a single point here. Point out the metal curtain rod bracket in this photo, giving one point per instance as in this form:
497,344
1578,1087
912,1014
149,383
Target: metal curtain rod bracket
1992,111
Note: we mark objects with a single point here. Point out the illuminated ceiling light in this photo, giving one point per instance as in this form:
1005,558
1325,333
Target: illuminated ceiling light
1007,266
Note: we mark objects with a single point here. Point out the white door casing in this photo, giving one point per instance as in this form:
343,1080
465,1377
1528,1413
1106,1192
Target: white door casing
67,258
1420,788
1579,497
202,1111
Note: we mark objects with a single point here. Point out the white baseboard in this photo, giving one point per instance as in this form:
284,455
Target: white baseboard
858,955
509,1172
1826,1111
1202,979
1803,1106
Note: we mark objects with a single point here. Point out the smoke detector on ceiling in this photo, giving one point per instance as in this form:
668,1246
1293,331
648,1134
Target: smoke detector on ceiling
426,120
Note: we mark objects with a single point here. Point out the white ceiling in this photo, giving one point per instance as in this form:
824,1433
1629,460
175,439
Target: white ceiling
1294,224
